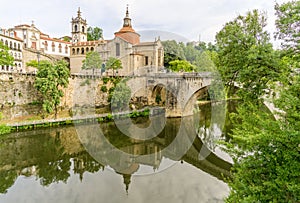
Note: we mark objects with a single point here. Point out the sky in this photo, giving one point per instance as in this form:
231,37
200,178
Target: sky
192,20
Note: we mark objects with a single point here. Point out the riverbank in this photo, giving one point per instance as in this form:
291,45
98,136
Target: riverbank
104,117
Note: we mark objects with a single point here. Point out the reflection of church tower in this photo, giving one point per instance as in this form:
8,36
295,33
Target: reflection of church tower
127,181
127,32
79,28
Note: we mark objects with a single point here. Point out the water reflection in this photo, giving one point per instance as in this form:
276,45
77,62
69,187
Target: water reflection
57,155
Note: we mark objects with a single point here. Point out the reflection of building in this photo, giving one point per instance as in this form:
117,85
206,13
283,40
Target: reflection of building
15,45
126,46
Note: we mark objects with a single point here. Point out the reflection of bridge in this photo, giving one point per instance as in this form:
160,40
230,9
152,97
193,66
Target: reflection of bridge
178,92
32,154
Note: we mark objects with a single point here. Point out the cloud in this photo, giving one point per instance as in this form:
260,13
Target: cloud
189,18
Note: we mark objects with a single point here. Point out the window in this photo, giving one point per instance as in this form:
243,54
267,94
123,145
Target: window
78,50
53,47
73,51
19,47
59,48
82,50
46,45
10,45
83,29
6,42
117,49
33,45
15,46
75,28
66,49
146,60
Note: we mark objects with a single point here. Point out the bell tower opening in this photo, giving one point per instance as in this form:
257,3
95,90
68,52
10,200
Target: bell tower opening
79,31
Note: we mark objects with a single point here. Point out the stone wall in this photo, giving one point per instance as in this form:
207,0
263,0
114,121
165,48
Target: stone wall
17,92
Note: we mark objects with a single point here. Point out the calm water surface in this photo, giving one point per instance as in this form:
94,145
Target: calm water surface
98,163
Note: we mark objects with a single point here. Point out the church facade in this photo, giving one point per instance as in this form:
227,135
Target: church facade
125,45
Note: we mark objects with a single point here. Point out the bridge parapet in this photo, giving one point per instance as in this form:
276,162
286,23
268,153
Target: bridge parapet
179,87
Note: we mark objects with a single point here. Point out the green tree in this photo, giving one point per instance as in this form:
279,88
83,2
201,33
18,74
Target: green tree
5,57
245,55
172,51
120,96
287,24
190,52
266,151
114,64
205,61
92,61
181,66
94,33
50,80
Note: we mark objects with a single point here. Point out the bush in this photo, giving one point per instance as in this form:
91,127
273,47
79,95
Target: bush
104,88
105,80
4,129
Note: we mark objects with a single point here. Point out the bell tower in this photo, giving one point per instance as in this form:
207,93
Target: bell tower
79,28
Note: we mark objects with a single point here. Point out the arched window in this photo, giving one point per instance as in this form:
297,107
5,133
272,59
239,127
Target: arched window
59,48
87,49
19,46
46,45
75,28
83,29
2,41
10,45
92,49
6,42
73,51
53,47
78,50
66,49
82,50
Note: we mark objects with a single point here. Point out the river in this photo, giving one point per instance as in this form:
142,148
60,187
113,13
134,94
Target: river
97,162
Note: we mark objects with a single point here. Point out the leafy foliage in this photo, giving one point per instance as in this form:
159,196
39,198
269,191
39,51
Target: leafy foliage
95,33
50,80
172,52
121,95
181,66
265,150
92,61
246,57
287,24
4,129
5,57
114,64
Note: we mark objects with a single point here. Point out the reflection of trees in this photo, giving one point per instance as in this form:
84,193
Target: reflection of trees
44,152
7,179
54,171
49,152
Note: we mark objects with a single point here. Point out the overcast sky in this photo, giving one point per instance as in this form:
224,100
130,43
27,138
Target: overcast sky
191,19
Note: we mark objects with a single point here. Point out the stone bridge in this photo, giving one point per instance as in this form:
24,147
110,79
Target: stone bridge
176,92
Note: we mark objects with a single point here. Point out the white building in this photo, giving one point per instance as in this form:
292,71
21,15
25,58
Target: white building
34,39
15,45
